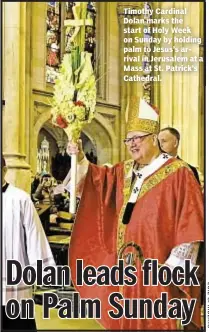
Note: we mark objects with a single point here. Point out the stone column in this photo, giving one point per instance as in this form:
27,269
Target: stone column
201,93
165,100
191,88
178,96
179,92
124,86
127,88
14,126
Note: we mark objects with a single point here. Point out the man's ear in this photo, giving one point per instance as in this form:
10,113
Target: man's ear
4,172
176,143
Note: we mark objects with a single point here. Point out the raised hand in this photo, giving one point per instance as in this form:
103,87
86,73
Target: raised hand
76,148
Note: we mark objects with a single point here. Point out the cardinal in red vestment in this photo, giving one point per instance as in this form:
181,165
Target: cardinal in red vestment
151,202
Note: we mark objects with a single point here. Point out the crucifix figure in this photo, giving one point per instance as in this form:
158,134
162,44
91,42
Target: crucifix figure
79,23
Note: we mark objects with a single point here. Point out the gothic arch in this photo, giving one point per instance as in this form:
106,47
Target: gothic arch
102,135
43,117
99,131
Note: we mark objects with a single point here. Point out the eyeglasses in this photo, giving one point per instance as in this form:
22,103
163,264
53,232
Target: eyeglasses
135,139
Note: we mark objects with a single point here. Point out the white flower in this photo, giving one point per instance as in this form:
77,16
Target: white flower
75,115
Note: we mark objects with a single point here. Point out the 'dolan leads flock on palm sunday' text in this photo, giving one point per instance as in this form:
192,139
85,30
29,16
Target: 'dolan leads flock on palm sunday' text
102,276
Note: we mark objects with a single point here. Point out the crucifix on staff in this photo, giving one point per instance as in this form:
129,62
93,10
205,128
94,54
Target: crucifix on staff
79,23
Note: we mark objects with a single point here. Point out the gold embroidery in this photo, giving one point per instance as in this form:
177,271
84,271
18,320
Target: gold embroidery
135,123
161,175
128,166
148,184
146,125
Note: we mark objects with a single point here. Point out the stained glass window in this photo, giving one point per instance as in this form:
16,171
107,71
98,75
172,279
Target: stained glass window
90,32
69,30
53,35
57,44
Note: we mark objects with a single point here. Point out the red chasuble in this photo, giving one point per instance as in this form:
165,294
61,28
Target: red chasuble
168,212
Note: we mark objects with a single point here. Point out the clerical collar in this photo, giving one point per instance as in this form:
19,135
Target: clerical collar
5,186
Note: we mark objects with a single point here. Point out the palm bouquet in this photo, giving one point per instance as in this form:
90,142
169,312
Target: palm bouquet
74,101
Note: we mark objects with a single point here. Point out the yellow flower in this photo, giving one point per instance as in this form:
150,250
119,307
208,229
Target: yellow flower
80,112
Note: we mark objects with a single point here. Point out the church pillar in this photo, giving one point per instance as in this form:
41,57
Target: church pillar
201,95
14,113
163,98
180,95
127,88
124,86
191,88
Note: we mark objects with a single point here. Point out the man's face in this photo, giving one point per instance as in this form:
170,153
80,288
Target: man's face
141,145
4,171
168,142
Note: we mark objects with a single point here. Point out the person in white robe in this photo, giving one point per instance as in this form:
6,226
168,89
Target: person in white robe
23,240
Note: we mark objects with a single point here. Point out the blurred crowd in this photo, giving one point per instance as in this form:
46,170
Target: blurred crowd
42,192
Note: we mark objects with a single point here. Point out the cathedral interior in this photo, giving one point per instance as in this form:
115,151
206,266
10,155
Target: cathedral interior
36,35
